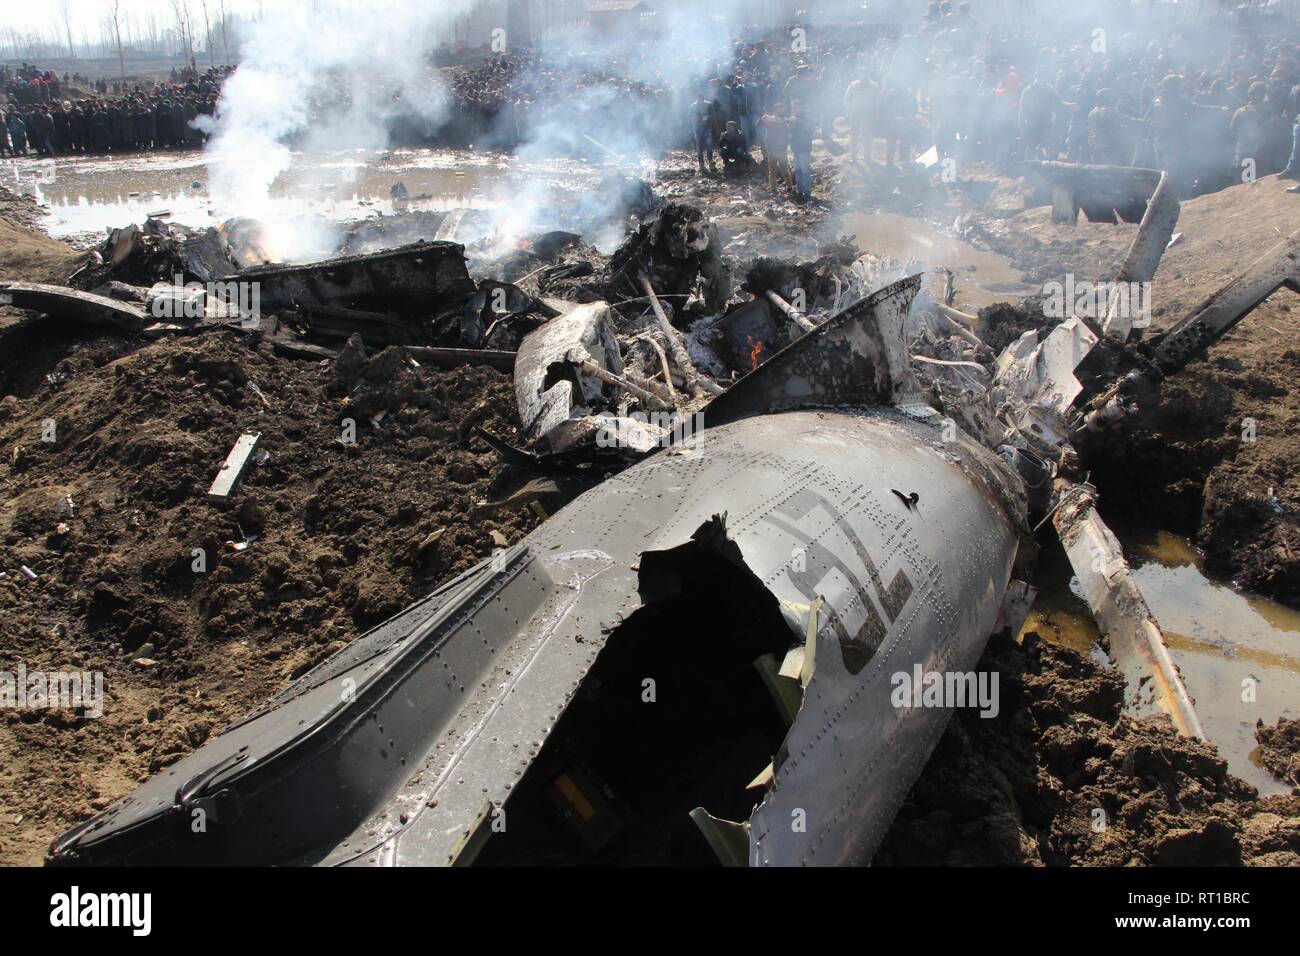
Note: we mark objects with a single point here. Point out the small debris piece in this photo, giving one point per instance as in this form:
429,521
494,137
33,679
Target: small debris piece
233,468
802,321
293,349
451,358
433,538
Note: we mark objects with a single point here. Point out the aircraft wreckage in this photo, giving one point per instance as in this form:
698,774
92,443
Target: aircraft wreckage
695,659
777,536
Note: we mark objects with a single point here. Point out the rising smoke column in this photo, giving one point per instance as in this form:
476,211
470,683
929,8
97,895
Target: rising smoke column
317,77
686,45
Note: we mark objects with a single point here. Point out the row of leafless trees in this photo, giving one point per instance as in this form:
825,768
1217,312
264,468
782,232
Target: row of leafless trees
198,30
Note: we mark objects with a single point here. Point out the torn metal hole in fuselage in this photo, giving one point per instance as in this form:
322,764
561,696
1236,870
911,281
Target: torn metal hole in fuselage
672,716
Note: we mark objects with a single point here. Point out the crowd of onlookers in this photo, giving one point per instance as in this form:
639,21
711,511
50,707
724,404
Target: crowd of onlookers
28,85
47,116
1212,104
510,98
1212,99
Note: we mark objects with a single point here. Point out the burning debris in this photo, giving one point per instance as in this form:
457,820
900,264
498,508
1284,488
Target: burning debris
679,252
160,251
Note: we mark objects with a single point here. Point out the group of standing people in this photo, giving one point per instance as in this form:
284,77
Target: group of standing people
753,108
779,97
142,117
28,85
511,98
1213,102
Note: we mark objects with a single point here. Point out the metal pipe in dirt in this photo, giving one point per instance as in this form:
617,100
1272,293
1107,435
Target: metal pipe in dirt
1137,644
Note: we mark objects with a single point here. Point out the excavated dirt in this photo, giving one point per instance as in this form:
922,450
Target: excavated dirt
1060,778
1190,462
25,252
1279,749
109,514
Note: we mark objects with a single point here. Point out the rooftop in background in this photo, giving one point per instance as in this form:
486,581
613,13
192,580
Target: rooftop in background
619,6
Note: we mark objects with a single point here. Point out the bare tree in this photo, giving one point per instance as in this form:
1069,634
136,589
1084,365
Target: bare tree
115,12
152,40
225,41
65,14
207,32
184,18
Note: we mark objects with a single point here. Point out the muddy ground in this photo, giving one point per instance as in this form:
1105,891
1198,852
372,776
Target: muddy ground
25,251
110,513
1191,463
1061,777
1279,750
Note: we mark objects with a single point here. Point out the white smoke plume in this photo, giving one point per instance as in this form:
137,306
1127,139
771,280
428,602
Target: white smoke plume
686,46
315,78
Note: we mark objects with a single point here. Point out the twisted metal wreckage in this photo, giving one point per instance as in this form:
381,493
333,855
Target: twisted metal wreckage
712,634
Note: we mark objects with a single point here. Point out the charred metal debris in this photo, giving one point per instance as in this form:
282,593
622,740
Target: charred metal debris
822,475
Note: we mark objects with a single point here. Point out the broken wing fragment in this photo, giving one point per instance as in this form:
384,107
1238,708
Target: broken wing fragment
550,384
62,302
418,279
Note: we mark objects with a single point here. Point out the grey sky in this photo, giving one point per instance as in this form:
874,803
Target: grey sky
42,16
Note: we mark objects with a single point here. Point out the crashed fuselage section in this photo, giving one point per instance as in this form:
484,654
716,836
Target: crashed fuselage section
401,748
735,609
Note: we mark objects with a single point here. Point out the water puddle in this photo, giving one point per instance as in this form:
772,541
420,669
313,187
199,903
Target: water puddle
982,278
84,197
1239,654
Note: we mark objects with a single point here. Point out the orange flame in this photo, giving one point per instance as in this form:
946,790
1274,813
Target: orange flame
755,353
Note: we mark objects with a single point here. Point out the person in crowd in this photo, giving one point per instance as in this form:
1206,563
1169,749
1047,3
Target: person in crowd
734,150
704,112
1292,168
1040,109
17,134
861,103
774,128
801,147
1250,126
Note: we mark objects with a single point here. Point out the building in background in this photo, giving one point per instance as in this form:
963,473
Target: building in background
620,16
